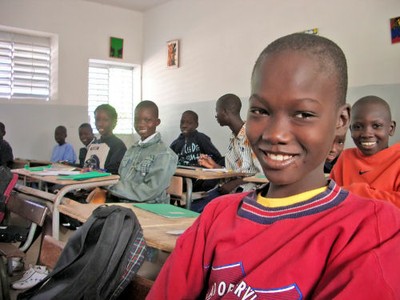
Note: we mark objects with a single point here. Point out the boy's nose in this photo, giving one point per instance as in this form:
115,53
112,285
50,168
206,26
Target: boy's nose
277,131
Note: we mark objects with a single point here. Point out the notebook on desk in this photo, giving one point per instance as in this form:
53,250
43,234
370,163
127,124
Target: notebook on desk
167,210
84,176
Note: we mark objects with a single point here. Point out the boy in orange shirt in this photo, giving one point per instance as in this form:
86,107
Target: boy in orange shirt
371,170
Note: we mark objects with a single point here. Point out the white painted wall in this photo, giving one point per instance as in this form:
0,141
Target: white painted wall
83,30
220,41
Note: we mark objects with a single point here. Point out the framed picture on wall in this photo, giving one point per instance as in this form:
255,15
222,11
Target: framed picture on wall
395,29
116,47
173,54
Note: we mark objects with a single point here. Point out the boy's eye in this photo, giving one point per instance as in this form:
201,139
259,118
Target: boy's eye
376,126
304,115
258,111
355,127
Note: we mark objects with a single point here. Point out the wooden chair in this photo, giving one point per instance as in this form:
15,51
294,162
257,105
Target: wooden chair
178,195
32,211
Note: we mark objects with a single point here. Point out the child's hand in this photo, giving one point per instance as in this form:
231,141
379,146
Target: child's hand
207,162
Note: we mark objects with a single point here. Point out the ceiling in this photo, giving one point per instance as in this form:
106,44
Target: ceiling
138,5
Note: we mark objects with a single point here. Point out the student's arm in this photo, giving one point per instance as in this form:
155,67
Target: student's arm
148,179
69,154
207,147
207,162
6,154
365,190
114,158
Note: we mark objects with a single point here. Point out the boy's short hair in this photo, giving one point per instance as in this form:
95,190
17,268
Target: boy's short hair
328,54
230,102
62,129
2,127
193,114
85,125
110,110
371,99
148,104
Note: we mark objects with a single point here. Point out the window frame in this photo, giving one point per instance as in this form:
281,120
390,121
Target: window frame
128,129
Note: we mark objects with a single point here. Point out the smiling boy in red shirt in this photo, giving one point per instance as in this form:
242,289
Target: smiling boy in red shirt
300,236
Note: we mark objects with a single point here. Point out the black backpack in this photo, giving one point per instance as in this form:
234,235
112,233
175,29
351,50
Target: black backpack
99,259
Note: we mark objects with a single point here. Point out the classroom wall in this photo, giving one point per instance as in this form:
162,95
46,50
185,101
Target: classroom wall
83,30
220,41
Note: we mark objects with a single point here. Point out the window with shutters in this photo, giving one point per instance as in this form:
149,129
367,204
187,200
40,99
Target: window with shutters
113,84
25,66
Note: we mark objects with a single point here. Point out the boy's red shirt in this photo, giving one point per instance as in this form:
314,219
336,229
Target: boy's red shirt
335,245
376,176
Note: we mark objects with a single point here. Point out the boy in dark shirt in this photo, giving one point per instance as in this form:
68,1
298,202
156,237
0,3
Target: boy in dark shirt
108,151
87,138
6,154
191,143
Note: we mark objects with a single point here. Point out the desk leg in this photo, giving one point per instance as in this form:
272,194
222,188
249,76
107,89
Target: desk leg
63,192
189,191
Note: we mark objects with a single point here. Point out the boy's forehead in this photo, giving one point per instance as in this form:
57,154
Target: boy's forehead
145,110
367,110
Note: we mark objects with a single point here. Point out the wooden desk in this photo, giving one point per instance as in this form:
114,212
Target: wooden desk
21,162
203,174
257,178
154,226
66,187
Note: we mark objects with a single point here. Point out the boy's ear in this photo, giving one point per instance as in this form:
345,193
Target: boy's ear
392,128
158,122
343,121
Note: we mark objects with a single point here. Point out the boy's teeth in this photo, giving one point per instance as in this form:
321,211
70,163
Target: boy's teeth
368,143
279,157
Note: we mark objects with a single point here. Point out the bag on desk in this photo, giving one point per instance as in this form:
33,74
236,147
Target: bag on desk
99,259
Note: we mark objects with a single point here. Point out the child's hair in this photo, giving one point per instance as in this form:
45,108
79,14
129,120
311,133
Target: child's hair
2,127
148,104
61,129
374,100
230,102
85,125
109,110
330,57
193,114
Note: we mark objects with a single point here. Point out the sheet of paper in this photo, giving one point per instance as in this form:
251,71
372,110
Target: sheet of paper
56,173
223,170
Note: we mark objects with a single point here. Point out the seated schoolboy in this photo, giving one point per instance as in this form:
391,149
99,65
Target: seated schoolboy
87,138
372,169
300,236
63,152
147,166
239,156
6,153
337,148
191,143
107,152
